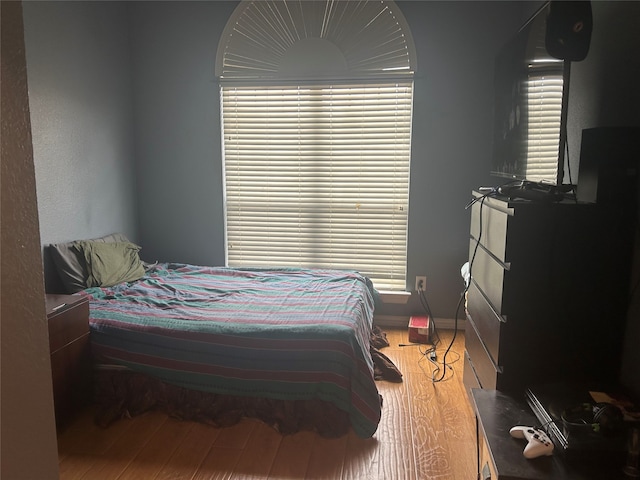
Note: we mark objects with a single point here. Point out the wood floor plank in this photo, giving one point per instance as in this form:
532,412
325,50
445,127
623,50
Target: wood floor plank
259,453
219,464
223,458
362,458
427,429
84,442
75,465
387,460
191,452
85,436
292,458
459,419
116,458
394,420
438,413
236,436
394,432
154,455
327,458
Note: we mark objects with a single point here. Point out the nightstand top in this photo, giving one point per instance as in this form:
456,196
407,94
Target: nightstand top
58,303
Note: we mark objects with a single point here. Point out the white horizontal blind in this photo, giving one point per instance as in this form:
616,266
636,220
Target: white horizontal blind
544,102
318,176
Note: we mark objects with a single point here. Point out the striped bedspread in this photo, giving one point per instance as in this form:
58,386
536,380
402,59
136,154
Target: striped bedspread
278,333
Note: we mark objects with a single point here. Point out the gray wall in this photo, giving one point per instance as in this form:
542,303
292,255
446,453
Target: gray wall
178,142
452,136
80,95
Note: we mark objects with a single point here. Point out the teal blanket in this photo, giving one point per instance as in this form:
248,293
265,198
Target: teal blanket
278,333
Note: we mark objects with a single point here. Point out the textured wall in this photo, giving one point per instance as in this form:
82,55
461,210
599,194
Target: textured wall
78,58
178,142
28,427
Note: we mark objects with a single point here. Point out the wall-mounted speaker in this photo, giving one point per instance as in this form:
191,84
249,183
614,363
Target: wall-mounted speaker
568,33
609,164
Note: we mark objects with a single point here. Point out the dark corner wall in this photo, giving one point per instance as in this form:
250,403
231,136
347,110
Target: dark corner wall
606,93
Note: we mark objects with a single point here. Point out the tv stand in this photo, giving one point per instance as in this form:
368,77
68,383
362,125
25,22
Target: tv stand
500,456
548,294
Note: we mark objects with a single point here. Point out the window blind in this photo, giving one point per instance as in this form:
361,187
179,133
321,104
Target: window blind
544,102
318,176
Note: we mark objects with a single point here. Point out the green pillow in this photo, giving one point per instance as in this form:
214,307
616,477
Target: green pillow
70,264
111,263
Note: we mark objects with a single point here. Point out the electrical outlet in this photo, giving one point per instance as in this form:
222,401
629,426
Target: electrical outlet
421,283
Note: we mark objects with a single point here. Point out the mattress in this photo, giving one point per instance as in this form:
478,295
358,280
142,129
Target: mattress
288,334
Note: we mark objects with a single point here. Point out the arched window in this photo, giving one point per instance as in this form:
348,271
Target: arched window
316,113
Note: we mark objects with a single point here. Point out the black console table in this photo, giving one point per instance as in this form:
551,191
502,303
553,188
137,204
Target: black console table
500,455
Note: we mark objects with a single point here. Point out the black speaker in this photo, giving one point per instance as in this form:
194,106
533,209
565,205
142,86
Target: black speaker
568,33
609,162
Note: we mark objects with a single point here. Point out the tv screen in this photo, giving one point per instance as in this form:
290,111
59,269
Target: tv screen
530,108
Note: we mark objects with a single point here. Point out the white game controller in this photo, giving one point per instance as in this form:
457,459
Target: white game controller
538,444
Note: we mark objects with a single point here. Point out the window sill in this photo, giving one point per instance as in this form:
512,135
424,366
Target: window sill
394,297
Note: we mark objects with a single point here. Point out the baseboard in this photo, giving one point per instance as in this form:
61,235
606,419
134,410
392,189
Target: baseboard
399,321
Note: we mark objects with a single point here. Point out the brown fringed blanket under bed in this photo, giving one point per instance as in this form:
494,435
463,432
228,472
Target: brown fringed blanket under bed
293,347
122,393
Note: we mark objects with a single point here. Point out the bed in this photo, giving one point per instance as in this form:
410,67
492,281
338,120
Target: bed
294,347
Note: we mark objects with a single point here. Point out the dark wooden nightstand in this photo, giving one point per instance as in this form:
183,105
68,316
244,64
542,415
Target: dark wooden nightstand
68,318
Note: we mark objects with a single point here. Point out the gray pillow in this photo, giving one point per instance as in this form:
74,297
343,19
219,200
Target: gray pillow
70,262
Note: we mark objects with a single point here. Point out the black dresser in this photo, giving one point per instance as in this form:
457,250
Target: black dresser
548,294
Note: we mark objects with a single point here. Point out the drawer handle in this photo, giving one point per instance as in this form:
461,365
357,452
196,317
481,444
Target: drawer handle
56,308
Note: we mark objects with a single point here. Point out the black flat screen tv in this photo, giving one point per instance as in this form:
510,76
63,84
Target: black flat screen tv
530,107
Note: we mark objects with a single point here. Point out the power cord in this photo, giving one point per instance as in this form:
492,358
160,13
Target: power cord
446,352
431,352
481,199
433,330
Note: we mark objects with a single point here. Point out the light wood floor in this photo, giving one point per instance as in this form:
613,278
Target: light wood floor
427,431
